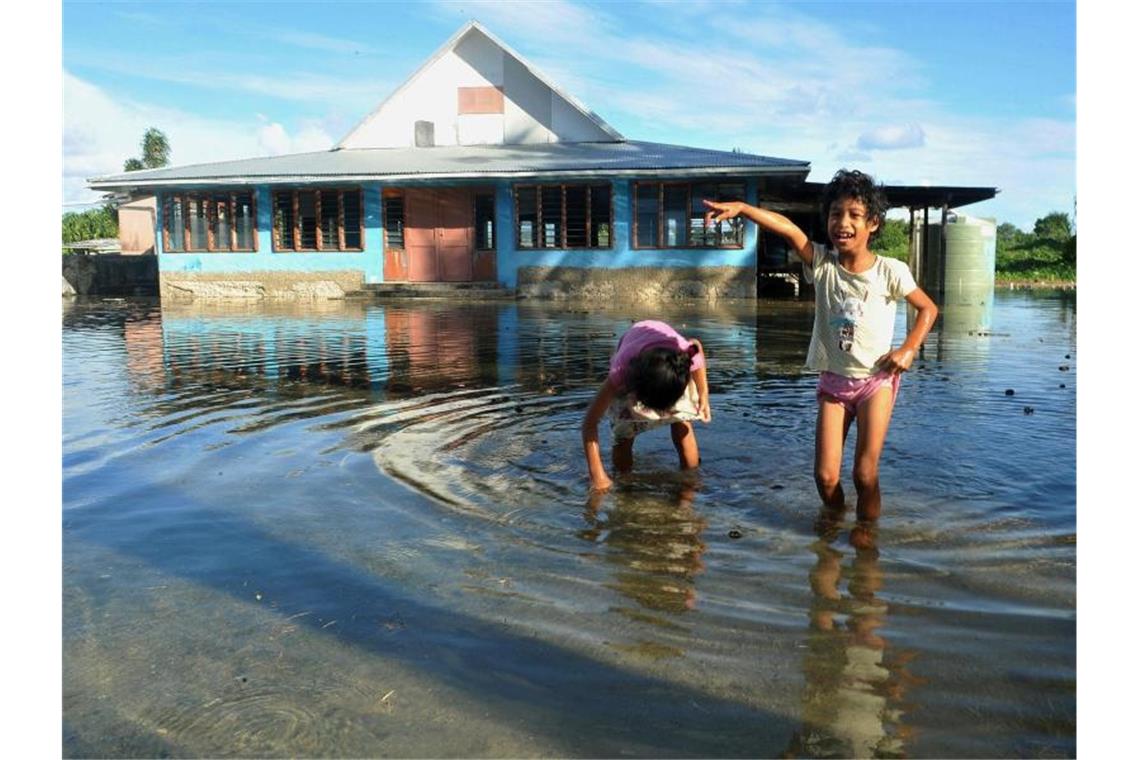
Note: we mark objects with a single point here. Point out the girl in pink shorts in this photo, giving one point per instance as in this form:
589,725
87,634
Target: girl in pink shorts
857,294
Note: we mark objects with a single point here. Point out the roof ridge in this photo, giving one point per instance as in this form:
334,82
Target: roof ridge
451,44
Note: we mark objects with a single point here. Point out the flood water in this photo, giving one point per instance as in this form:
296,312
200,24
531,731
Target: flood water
349,529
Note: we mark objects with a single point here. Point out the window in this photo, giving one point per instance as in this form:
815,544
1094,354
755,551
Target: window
564,216
393,220
318,220
209,222
671,215
484,221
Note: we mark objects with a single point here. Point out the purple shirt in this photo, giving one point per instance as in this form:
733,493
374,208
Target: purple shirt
643,335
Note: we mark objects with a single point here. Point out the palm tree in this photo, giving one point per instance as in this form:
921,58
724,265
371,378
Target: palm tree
155,152
155,149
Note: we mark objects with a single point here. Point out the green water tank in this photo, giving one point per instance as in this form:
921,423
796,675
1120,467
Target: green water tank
961,280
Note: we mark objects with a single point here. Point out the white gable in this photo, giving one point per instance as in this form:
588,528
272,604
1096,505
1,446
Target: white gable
531,110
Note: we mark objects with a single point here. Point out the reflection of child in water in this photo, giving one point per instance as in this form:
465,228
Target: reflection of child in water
852,692
656,378
656,544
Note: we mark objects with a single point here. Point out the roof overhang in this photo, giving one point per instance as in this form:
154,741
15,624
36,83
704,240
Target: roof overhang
326,179
554,161
913,196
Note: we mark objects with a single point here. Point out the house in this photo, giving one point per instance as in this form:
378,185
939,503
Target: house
477,169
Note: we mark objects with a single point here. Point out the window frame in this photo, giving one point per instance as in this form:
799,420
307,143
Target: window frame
476,193
387,195
687,243
537,188
320,245
207,199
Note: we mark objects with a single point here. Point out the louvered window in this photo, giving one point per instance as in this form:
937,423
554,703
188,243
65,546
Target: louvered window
318,220
394,221
671,215
564,216
215,222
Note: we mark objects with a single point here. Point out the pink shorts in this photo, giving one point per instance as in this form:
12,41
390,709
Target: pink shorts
853,391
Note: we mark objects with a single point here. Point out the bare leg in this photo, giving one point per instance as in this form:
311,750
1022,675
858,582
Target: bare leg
874,417
623,455
831,426
685,441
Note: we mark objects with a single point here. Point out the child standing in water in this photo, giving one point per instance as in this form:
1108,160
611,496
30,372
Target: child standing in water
856,297
657,377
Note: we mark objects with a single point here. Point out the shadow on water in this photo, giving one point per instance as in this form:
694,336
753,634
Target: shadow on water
586,707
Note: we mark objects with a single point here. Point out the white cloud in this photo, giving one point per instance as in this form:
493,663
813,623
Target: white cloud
274,140
212,73
892,137
100,132
320,42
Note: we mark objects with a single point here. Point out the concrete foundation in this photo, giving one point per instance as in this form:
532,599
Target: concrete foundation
108,274
637,283
293,286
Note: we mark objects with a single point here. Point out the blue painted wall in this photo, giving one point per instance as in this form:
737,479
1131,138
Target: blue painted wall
622,254
370,262
509,258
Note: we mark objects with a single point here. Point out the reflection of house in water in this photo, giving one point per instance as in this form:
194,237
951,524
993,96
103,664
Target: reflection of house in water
561,350
393,350
142,340
431,348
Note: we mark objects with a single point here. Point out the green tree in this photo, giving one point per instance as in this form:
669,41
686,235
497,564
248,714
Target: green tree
92,224
155,149
155,152
893,239
1009,234
1054,226
1069,252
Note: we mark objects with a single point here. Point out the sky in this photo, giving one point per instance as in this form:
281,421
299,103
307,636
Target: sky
947,93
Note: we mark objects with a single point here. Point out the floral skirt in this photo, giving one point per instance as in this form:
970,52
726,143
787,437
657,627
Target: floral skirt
630,418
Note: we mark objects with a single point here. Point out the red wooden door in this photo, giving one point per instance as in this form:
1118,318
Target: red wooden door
456,235
439,234
421,210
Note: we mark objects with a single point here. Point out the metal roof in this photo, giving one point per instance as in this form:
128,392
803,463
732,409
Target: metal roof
539,161
902,196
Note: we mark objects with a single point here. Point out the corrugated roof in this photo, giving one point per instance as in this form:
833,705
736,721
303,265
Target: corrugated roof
541,161
900,196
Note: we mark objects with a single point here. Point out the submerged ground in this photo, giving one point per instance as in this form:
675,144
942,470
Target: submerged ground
364,530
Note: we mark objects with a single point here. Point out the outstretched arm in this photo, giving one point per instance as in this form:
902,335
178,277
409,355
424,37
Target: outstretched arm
599,480
768,220
701,378
900,359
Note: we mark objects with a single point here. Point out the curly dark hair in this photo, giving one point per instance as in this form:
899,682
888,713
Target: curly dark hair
852,183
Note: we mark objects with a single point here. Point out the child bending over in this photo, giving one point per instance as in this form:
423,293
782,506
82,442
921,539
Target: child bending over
856,297
657,377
